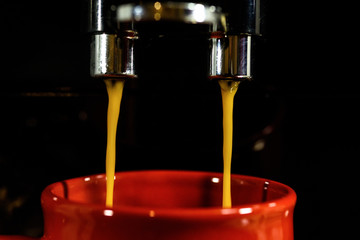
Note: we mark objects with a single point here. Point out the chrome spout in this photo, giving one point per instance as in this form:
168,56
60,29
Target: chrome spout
113,30
231,50
112,56
230,57
111,51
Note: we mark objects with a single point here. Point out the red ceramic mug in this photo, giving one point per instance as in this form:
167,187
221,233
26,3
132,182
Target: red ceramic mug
167,205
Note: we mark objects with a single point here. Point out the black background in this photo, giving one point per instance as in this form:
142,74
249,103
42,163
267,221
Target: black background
53,115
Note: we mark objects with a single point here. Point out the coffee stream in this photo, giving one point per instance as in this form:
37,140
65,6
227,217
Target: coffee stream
228,90
115,90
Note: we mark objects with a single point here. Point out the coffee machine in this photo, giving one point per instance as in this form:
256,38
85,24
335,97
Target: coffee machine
114,33
171,54
53,123
178,51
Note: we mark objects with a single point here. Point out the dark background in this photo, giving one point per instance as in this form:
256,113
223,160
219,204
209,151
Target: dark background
303,105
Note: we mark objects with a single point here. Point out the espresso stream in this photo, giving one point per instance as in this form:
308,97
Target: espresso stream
115,90
228,90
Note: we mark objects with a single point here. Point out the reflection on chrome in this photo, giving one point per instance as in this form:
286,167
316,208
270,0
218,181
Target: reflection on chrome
173,11
199,13
157,5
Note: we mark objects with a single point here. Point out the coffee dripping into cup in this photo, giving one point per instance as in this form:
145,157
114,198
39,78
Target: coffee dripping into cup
222,33
115,32
114,43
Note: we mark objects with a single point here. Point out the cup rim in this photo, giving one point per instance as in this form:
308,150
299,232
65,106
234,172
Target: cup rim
285,203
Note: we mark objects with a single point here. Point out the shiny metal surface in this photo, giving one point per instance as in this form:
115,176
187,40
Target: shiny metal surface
97,16
112,56
245,16
103,48
230,42
230,57
193,13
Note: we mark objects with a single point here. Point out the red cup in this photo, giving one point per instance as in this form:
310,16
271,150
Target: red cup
167,205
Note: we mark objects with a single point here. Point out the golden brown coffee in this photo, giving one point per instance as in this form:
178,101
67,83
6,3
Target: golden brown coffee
228,90
115,91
